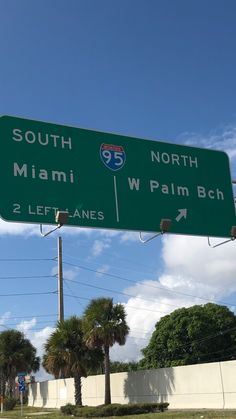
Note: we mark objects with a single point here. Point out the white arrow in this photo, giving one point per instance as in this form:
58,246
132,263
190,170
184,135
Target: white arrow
182,214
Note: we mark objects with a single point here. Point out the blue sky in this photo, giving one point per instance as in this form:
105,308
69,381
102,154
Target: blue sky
161,70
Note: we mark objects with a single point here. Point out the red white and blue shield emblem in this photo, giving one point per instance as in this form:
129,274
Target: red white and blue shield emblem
113,156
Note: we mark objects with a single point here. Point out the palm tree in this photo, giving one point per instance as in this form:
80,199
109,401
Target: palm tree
104,325
68,356
17,354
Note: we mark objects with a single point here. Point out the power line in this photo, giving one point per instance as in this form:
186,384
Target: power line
208,337
135,308
180,346
227,355
200,356
26,259
28,293
72,292
146,285
75,296
220,333
38,322
203,339
148,268
104,274
28,277
148,309
35,315
116,292
39,329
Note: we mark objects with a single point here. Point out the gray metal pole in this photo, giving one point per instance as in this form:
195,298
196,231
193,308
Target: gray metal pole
60,280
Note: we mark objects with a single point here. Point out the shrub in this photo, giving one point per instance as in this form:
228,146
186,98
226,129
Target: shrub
87,412
68,409
113,409
163,406
127,409
24,399
9,403
153,407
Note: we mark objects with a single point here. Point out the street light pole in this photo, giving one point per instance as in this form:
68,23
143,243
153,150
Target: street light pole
60,280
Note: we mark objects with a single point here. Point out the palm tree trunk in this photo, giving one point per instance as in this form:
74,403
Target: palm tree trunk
107,375
78,392
11,386
2,384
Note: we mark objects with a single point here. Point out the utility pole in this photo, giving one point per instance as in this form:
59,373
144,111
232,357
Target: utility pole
60,280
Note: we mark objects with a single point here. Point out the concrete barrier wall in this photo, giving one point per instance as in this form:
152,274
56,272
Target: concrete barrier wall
195,386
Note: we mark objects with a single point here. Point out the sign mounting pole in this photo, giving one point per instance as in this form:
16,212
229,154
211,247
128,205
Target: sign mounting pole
60,280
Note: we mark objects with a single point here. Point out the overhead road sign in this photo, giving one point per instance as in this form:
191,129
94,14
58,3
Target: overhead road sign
111,181
21,374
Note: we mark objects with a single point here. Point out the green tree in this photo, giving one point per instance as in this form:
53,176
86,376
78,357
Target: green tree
66,354
17,354
192,335
104,325
117,366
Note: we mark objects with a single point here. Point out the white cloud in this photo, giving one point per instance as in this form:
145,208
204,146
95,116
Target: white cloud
129,236
23,229
193,273
69,274
122,235
190,258
102,270
191,269
223,139
99,246
109,233
76,230
28,230
26,325
220,139
8,228
38,340
37,337
4,318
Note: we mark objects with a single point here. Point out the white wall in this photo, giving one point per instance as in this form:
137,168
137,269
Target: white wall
194,386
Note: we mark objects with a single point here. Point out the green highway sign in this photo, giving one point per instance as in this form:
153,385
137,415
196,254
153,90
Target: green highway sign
111,181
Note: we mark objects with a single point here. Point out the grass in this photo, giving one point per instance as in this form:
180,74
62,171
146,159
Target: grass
31,413
28,411
198,414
